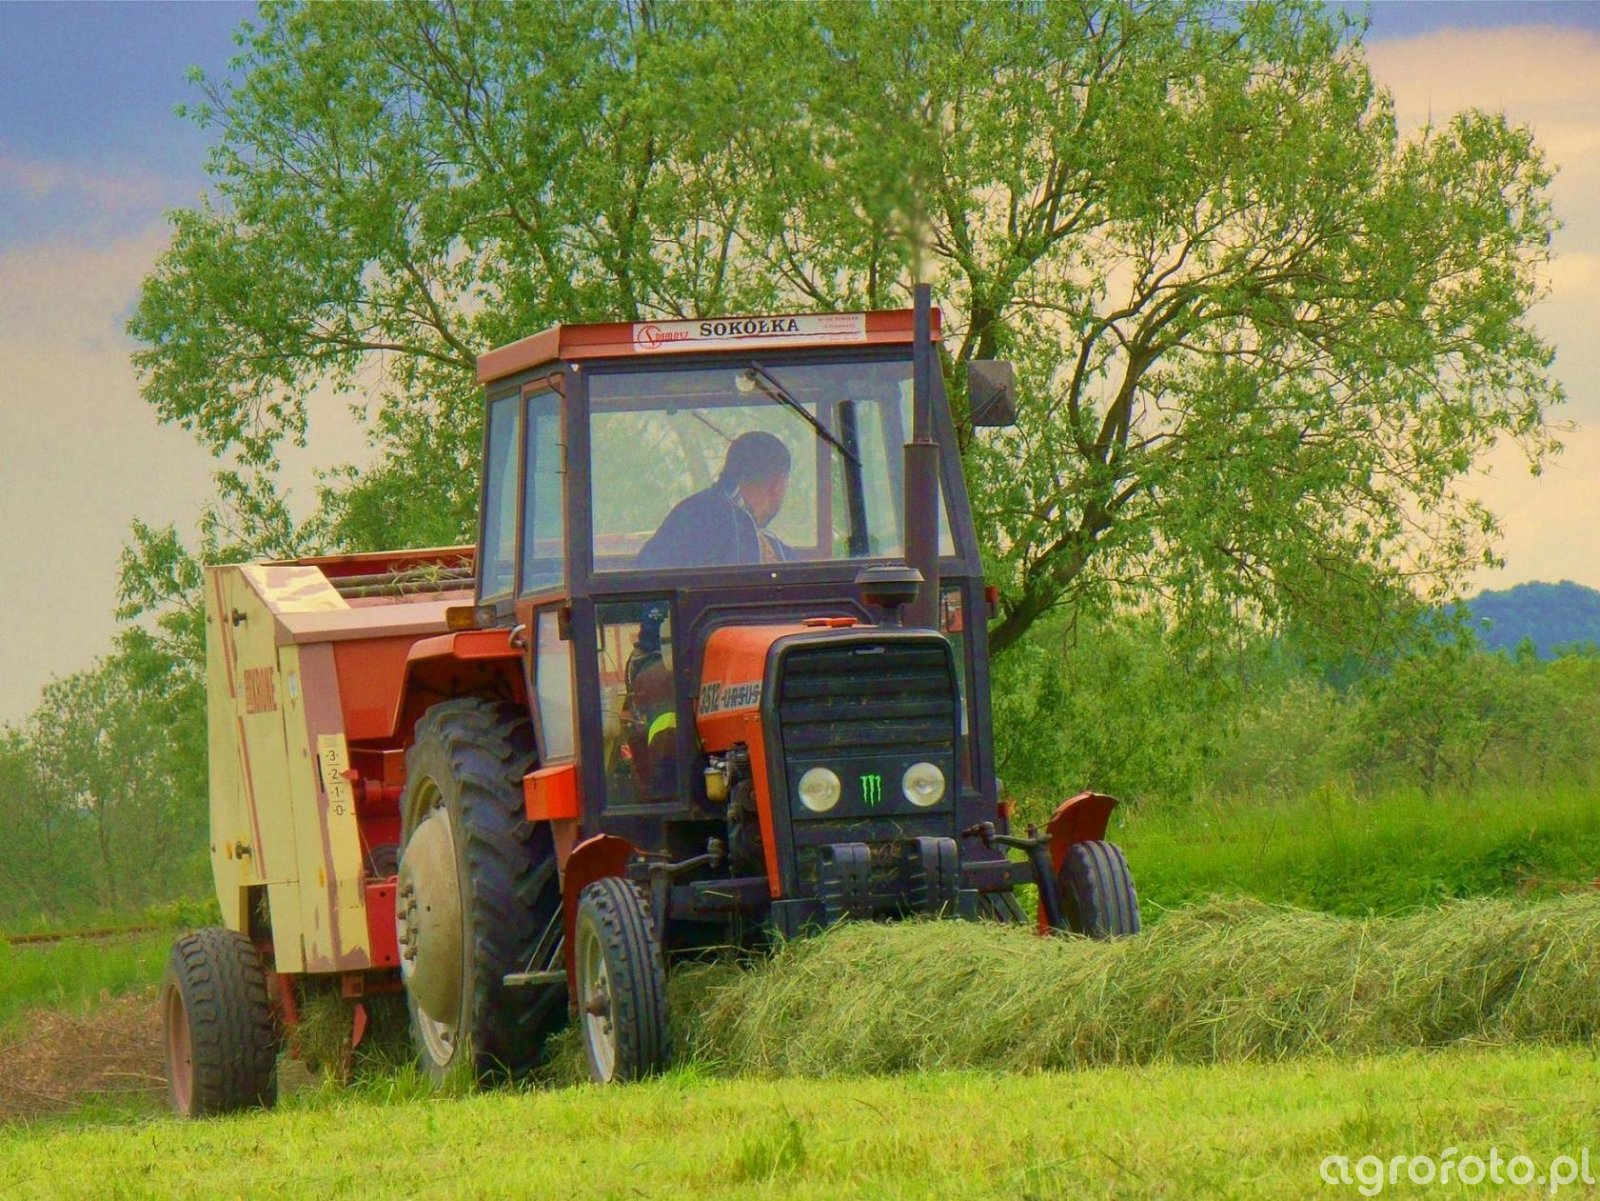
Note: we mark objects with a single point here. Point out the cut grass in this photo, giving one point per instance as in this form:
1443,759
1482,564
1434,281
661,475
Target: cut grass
1226,982
1243,1130
1340,854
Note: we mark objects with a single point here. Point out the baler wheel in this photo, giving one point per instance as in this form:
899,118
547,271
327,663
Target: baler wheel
1097,893
622,983
487,878
221,1040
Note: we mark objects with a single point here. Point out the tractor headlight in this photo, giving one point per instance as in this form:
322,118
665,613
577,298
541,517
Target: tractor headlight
820,789
923,784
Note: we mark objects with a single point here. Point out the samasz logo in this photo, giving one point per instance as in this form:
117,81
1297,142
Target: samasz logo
871,789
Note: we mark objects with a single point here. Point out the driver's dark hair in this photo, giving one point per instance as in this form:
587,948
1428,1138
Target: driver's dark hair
754,456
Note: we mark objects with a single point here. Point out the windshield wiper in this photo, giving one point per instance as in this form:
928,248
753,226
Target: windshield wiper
768,383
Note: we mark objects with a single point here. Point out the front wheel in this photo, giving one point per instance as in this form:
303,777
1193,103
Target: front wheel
622,983
1097,893
221,1040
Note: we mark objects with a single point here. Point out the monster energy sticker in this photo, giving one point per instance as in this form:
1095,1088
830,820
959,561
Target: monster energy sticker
871,789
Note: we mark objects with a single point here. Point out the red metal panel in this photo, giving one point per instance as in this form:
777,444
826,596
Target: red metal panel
730,681
592,859
542,347
551,793
763,789
371,675
380,925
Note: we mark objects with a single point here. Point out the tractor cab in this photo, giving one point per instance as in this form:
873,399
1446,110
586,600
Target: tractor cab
700,529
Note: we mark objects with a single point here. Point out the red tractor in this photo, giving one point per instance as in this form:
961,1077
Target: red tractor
716,671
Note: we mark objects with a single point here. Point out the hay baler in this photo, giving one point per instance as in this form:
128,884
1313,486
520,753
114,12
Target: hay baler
715,672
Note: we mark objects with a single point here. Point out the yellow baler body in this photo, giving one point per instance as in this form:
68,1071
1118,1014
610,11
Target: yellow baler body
283,816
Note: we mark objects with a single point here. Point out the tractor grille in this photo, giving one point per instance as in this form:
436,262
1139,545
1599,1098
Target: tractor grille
867,698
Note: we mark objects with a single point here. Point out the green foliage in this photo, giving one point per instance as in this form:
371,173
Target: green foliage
107,784
1450,716
1139,709
1290,741
1119,707
1261,338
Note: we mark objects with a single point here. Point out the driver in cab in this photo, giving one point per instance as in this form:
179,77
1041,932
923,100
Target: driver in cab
726,524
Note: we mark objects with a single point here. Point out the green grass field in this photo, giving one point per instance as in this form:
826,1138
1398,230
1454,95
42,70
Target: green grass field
1255,1130
1255,1127
72,975
1355,857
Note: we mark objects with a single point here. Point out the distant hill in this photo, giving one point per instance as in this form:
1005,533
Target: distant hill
1551,614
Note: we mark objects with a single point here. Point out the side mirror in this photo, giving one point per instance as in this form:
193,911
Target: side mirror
992,392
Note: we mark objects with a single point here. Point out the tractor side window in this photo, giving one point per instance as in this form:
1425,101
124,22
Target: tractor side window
552,669
885,429
639,714
497,544
543,524
881,427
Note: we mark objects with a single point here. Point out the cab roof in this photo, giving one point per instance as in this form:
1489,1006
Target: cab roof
628,339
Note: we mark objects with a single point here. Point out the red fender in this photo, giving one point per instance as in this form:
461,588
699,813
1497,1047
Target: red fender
447,665
593,859
1078,819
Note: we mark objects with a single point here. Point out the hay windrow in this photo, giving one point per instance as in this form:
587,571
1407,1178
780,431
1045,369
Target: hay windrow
1225,981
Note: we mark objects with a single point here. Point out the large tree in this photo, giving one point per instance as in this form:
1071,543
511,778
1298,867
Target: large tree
1261,338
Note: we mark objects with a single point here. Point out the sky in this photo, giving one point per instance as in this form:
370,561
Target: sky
92,156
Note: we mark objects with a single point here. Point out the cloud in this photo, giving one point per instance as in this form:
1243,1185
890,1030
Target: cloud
40,181
81,454
1545,78
1538,71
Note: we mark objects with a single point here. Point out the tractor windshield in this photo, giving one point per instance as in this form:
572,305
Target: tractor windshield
755,462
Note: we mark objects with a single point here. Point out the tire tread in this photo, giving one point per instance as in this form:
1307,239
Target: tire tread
637,973
484,748
1097,891
233,1037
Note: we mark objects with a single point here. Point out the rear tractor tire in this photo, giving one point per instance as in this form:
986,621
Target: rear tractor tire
622,984
220,1037
477,891
1097,894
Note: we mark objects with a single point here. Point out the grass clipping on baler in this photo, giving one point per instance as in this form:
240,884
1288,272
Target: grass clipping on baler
1226,981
